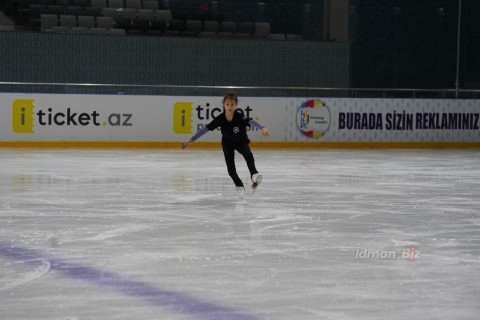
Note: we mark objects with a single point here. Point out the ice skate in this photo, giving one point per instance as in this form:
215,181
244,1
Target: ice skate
257,178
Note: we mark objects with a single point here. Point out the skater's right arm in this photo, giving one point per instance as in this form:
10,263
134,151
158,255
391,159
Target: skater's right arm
197,135
216,122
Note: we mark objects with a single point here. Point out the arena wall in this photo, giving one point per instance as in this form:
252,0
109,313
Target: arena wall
54,120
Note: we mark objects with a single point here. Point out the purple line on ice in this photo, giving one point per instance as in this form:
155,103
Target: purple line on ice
177,301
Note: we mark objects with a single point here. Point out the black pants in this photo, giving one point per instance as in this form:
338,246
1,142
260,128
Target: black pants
229,153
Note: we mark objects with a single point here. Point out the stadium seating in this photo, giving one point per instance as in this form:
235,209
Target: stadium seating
140,17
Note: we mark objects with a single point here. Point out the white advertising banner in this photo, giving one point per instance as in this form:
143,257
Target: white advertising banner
132,118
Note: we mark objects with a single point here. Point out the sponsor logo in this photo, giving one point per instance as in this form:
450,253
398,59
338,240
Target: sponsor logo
22,116
182,117
187,118
313,118
24,119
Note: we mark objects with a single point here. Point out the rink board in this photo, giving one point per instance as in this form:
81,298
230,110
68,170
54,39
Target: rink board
68,120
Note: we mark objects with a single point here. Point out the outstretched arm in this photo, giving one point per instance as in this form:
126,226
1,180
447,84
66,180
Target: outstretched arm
197,135
257,125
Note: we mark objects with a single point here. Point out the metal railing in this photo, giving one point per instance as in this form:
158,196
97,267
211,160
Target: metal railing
200,90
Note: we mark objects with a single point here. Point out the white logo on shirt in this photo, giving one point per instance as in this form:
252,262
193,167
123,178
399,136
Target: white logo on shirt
236,130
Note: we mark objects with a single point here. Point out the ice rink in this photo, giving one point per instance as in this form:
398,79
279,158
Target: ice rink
160,234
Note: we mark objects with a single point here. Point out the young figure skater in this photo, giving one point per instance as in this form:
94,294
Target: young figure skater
233,124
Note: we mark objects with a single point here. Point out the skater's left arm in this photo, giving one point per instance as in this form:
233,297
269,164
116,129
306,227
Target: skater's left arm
257,125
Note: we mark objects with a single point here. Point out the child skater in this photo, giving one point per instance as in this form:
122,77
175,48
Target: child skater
233,124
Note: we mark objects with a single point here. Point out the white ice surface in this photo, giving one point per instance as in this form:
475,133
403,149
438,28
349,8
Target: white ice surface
171,219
